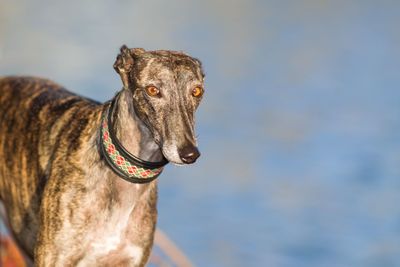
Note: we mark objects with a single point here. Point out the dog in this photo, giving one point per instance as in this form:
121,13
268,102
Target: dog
77,177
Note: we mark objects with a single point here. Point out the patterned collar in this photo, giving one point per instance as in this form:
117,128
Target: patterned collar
123,163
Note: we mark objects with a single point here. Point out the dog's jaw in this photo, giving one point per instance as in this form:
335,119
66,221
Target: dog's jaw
170,152
133,133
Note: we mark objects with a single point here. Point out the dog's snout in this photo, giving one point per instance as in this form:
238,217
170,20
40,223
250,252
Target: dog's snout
189,154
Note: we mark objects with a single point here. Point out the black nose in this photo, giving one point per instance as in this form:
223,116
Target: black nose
189,154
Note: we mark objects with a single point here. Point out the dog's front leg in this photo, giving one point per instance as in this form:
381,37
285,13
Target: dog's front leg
50,250
46,250
44,253
53,246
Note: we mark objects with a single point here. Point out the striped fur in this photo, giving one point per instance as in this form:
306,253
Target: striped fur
64,204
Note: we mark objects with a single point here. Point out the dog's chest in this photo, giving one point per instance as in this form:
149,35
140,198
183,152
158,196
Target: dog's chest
113,226
112,242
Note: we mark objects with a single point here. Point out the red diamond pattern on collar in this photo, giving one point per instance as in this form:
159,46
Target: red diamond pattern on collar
120,162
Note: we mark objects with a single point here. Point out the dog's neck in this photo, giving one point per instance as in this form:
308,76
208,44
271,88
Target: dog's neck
132,132
128,208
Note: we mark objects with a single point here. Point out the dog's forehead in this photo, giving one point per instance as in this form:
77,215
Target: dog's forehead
164,63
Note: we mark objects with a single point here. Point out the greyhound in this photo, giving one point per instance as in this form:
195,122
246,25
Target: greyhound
77,177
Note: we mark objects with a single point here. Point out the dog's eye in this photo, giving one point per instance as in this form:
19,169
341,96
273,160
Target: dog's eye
153,91
197,91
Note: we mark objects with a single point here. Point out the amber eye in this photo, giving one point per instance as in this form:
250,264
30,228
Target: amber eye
153,91
197,91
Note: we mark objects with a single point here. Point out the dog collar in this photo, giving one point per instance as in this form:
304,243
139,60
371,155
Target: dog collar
123,163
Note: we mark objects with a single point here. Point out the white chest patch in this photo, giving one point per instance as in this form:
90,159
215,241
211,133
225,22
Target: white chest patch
112,248
108,241
106,244
108,237
135,252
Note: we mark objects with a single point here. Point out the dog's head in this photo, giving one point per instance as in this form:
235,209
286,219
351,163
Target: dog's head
167,88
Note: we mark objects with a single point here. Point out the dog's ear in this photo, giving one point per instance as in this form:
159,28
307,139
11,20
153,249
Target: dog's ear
124,64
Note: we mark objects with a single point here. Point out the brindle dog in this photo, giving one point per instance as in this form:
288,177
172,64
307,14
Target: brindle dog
65,204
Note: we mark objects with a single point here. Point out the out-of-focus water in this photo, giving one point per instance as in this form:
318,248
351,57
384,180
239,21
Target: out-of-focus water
299,129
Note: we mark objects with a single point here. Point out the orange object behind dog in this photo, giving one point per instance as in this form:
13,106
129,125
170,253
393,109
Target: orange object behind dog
10,256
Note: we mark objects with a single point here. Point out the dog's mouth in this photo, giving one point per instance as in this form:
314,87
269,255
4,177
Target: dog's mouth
170,157
180,156
163,156
188,154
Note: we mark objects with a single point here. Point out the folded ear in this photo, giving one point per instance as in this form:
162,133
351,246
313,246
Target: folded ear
123,65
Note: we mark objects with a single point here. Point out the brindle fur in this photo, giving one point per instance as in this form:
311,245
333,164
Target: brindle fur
65,205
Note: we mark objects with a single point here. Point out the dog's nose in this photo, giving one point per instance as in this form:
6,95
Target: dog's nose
189,154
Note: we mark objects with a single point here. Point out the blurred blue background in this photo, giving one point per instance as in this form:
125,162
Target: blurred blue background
299,128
